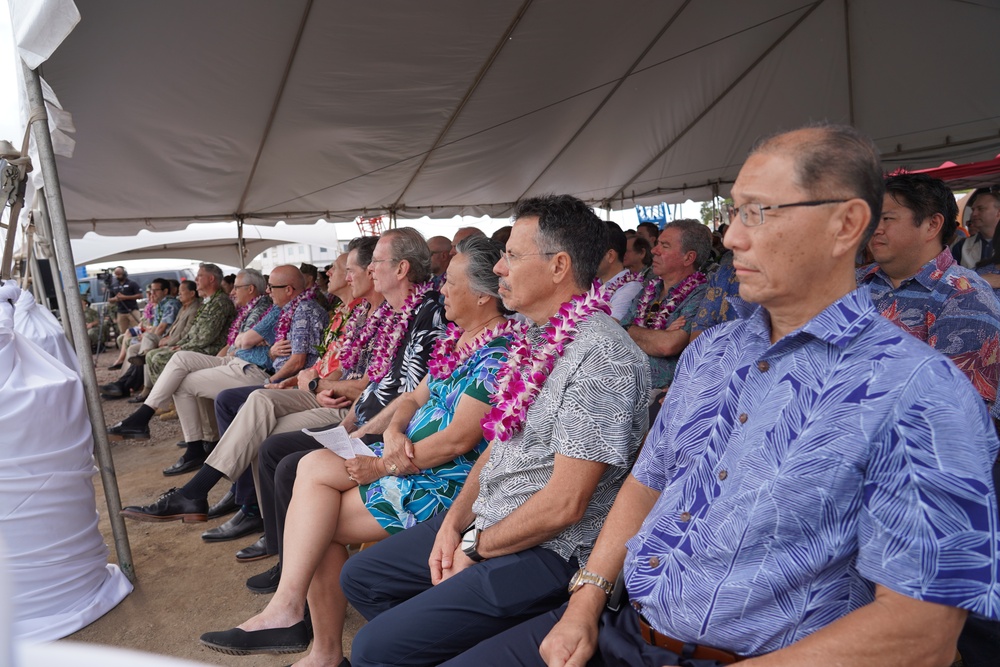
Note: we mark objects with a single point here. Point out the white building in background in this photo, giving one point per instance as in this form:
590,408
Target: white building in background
296,254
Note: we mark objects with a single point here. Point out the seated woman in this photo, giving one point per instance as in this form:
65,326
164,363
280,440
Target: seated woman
431,441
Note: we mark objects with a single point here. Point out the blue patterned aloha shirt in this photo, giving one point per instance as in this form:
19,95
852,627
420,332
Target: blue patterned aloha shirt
166,311
265,323
990,270
951,309
721,291
795,476
306,332
403,502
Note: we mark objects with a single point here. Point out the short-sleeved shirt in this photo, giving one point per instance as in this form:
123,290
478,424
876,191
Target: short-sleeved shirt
409,366
402,502
662,368
721,291
794,476
623,300
951,309
306,331
166,311
127,287
263,320
329,360
591,407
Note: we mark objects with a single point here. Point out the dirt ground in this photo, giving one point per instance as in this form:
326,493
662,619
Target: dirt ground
184,586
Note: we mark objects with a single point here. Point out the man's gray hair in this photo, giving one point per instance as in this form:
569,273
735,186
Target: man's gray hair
214,270
695,237
409,244
255,278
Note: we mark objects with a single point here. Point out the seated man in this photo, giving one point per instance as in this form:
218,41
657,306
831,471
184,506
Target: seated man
167,309
809,495
410,320
638,256
294,326
278,411
207,334
562,440
623,285
918,285
683,247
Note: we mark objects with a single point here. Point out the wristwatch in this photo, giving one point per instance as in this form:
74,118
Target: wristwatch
470,542
583,577
314,385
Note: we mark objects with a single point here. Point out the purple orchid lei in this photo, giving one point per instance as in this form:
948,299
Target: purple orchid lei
445,359
357,334
529,366
285,321
241,316
658,320
390,336
619,282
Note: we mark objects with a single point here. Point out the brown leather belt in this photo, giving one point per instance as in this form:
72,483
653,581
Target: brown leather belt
696,651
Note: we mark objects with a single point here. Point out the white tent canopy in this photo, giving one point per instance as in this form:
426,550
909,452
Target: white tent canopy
248,109
206,242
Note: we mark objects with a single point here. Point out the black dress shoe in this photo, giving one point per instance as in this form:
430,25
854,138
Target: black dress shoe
183,466
114,390
265,582
238,526
256,551
138,398
171,506
138,360
225,506
123,431
294,639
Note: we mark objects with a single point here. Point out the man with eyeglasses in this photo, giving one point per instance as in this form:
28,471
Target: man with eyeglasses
977,250
809,494
243,360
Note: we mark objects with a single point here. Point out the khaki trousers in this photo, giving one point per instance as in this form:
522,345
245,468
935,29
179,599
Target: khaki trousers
266,412
194,380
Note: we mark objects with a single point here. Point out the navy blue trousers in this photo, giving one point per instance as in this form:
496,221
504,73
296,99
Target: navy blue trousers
411,622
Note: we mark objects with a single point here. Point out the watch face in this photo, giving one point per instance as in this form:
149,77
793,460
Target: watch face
469,539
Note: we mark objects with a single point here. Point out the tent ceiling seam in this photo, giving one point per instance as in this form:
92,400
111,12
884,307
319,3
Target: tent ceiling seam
614,89
279,94
850,64
483,71
719,98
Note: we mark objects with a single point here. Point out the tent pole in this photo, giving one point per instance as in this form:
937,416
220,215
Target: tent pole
242,244
57,285
64,257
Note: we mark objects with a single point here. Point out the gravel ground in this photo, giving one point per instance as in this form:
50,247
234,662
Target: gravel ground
184,586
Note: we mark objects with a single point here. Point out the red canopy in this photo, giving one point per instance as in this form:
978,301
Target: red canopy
967,176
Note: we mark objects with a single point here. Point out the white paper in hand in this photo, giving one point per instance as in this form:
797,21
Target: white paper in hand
335,439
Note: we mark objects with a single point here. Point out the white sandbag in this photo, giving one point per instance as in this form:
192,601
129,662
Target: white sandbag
57,559
40,326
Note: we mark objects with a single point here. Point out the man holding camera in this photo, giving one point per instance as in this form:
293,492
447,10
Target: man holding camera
125,294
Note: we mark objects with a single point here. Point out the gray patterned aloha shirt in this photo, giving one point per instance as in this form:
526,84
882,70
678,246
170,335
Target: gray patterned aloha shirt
592,407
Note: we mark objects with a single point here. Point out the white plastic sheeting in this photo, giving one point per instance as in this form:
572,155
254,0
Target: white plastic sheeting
41,327
192,110
57,558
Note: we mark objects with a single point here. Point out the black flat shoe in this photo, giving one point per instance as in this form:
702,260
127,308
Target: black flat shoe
240,525
294,639
225,506
123,431
115,367
171,506
256,551
182,467
265,582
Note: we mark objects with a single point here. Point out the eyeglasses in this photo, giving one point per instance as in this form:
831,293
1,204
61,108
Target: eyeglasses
236,287
510,256
379,261
274,287
752,215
